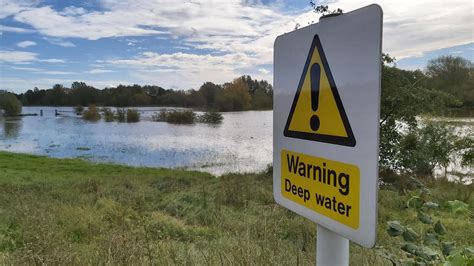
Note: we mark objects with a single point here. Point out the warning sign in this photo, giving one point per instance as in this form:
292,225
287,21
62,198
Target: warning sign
328,187
317,112
326,118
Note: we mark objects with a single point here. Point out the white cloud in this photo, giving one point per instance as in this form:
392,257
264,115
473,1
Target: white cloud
26,69
234,38
60,42
52,60
186,70
73,11
92,25
14,29
99,71
10,8
43,71
412,28
21,57
263,71
17,56
25,44
19,85
51,72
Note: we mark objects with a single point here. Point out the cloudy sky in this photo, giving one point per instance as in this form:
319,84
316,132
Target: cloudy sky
107,42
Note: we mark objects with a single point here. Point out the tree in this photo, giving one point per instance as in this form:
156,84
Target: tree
10,104
320,8
404,97
453,75
209,91
236,97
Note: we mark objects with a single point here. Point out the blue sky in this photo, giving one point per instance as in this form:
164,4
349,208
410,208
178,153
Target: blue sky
107,42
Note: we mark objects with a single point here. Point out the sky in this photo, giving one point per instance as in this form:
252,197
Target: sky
182,44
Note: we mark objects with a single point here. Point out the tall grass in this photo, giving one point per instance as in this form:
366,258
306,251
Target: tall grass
187,117
121,115
91,114
133,116
109,115
175,116
67,211
211,118
79,109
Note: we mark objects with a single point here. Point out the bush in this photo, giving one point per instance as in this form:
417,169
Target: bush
175,117
211,118
79,109
121,115
10,104
428,146
133,116
109,115
91,114
425,242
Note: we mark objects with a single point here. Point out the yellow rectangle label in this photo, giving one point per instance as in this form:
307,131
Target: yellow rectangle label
327,187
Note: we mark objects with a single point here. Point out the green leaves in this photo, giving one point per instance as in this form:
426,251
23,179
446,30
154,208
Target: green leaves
439,228
410,248
395,228
410,235
431,239
424,218
430,205
447,248
424,253
458,207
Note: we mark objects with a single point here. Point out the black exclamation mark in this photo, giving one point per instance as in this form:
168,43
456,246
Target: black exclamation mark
315,76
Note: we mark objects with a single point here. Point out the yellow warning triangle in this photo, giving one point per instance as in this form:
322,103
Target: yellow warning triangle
317,112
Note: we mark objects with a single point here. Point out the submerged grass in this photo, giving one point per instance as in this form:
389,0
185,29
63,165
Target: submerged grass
68,211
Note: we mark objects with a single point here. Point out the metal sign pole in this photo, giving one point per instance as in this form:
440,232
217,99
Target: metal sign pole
331,248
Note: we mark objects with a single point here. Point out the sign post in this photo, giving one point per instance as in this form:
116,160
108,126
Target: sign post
326,128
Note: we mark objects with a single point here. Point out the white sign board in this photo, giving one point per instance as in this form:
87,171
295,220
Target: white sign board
326,122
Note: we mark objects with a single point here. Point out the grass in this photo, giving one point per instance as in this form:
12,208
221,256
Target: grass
69,211
91,114
175,116
133,116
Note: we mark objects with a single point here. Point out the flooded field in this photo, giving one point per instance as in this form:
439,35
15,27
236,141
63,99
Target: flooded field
242,143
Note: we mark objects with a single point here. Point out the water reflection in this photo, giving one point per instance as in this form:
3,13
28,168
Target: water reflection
11,127
242,143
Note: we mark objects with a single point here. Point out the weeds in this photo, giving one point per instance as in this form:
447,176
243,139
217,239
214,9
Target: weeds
175,117
121,115
109,115
91,114
133,116
78,110
187,117
72,212
210,118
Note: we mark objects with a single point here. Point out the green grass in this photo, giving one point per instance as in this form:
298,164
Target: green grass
69,211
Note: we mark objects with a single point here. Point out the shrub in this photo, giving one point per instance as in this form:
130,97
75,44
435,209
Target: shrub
159,117
10,104
109,115
91,114
175,117
430,145
133,116
79,109
211,118
428,243
121,115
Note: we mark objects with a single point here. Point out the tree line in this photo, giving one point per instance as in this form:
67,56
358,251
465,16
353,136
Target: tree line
410,144
243,93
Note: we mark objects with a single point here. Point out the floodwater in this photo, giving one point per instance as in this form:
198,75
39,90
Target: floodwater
241,143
